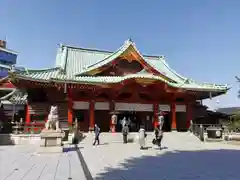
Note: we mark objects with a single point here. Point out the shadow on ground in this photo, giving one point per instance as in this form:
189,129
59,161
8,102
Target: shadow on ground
185,165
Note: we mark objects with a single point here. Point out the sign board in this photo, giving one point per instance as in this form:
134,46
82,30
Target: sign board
164,107
134,107
102,106
80,105
180,108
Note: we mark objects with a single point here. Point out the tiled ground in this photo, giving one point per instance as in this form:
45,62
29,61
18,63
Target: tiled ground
23,163
184,157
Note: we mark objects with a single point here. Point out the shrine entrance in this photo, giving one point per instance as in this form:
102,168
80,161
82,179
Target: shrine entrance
135,120
167,126
137,114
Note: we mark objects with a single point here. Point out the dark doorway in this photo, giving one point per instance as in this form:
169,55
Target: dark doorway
134,117
181,121
82,118
102,119
167,126
137,119
127,115
145,119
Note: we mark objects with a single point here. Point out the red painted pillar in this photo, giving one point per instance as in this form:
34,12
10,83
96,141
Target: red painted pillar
27,119
70,107
91,116
155,115
28,116
189,114
173,112
112,123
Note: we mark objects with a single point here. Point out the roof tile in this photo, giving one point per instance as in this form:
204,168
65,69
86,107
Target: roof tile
71,63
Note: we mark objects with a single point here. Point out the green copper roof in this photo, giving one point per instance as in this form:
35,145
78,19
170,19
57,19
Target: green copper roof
56,74
72,65
77,61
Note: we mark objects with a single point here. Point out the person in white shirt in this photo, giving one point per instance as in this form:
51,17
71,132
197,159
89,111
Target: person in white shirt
142,136
161,119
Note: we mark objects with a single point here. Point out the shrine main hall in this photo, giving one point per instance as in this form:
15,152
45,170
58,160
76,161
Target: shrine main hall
90,85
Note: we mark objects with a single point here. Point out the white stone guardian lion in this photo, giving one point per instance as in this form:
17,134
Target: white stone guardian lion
53,119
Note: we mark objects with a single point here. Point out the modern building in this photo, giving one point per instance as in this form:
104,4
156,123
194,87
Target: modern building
8,58
91,85
8,92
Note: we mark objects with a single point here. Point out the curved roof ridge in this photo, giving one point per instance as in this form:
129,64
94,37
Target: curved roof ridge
55,76
189,79
43,70
104,51
117,53
162,59
34,71
117,79
88,49
122,48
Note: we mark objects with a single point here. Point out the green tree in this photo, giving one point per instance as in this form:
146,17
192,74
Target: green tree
238,80
234,123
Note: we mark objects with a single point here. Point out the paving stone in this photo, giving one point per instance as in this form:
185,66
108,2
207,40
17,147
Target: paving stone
23,163
184,157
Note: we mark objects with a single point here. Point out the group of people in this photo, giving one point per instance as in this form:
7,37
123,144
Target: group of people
141,133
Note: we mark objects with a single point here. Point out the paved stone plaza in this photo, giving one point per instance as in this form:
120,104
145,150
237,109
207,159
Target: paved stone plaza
183,157
23,163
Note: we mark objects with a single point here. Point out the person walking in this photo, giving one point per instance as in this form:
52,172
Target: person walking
142,136
97,133
125,131
161,119
158,136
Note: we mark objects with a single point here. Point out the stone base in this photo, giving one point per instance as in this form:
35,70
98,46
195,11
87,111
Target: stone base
51,138
53,149
213,139
232,137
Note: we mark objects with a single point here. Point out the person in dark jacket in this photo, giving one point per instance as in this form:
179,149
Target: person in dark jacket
97,133
125,131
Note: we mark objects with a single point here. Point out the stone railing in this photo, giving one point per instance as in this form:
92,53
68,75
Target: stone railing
208,131
26,133
26,128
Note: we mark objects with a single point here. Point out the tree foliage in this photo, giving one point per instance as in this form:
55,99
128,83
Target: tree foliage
234,123
238,80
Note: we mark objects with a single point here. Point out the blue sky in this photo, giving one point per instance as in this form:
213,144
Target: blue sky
200,39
